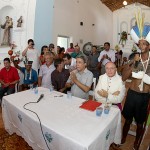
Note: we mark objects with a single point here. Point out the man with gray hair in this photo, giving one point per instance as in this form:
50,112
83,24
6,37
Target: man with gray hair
81,79
46,70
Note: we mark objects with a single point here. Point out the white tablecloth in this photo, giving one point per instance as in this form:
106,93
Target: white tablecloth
65,125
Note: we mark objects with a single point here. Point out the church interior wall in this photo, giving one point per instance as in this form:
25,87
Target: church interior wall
95,17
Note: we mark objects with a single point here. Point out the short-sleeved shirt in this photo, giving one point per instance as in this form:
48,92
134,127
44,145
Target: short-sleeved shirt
93,61
86,78
75,55
110,53
59,79
9,76
29,77
45,73
70,50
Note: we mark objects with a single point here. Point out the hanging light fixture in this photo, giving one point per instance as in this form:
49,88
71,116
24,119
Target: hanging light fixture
125,3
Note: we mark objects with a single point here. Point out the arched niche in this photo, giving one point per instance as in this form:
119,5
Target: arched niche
6,11
123,27
132,23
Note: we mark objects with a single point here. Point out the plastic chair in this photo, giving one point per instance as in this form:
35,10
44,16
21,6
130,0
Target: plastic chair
91,92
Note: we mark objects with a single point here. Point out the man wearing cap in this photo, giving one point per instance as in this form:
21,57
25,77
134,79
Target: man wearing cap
137,99
30,75
8,78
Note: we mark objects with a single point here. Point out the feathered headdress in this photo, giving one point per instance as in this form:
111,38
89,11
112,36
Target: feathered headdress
140,31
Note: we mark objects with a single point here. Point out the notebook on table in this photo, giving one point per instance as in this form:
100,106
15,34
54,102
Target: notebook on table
90,105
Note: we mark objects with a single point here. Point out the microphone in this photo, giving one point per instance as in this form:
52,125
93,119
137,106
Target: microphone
41,96
136,64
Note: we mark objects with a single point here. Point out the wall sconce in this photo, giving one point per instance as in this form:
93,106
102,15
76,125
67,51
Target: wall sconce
125,3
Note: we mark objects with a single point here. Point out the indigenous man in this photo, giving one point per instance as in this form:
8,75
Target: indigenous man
138,94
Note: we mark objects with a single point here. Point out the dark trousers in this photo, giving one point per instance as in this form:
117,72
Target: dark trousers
6,90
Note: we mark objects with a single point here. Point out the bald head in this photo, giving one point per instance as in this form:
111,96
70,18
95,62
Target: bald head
111,69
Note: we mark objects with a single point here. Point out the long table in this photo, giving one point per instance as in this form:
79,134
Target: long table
65,125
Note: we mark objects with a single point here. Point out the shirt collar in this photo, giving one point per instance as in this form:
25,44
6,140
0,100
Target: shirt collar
85,71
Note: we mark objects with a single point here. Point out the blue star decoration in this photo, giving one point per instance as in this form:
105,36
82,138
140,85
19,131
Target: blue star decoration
48,137
107,135
20,118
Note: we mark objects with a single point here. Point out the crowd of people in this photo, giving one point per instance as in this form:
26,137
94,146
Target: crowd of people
72,70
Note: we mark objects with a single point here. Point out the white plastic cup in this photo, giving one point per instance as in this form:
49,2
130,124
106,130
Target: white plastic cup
36,90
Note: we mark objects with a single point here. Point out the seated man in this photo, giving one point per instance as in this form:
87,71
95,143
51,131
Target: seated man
81,79
30,75
8,78
59,76
110,88
70,62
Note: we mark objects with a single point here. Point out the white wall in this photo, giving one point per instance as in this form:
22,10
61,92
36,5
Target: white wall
15,9
69,13
125,16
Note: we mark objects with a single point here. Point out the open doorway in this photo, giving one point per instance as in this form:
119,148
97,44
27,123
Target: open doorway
63,41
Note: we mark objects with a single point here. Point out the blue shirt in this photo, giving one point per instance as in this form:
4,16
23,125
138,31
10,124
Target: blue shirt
27,78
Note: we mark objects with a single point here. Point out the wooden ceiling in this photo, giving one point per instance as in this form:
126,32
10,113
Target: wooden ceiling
117,4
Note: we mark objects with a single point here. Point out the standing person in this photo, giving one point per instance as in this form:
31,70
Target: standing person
80,80
59,76
77,52
46,69
44,51
52,49
106,56
70,50
8,78
32,54
138,94
70,63
92,64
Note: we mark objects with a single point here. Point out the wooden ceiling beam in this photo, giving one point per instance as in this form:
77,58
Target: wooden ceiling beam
117,4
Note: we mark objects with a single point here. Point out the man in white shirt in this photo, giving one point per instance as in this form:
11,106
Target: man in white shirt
106,56
110,88
70,63
46,70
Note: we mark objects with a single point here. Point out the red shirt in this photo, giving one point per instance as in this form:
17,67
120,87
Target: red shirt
9,76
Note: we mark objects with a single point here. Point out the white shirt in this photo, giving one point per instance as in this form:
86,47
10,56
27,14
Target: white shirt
45,73
110,85
110,53
72,66
32,55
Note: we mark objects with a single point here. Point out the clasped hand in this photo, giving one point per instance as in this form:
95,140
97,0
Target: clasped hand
73,77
